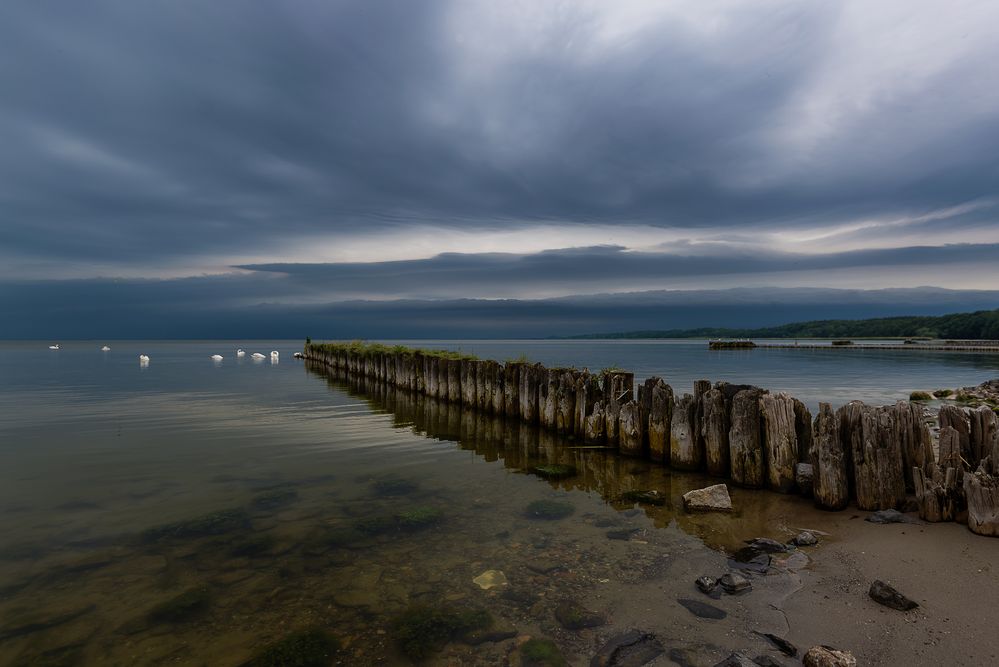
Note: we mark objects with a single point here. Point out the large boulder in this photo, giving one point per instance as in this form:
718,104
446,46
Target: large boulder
713,498
827,656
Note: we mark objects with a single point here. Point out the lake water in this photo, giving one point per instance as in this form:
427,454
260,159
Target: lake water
192,512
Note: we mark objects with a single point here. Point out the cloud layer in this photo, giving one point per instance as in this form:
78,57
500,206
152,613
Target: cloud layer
181,136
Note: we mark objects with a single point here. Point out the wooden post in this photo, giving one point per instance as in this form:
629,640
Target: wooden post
830,485
877,457
630,429
983,438
594,428
566,403
453,381
714,430
914,439
744,439
467,369
684,453
530,377
511,388
780,442
955,417
937,493
660,419
982,492
803,430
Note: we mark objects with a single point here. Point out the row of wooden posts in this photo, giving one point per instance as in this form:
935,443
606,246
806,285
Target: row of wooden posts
876,456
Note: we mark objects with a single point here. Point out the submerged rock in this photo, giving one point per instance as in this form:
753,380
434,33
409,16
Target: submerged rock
490,579
827,656
886,595
621,533
555,471
549,510
631,649
761,546
702,609
709,499
736,660
573,616
652,497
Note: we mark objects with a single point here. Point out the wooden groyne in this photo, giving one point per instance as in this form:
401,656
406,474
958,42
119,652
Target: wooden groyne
880,457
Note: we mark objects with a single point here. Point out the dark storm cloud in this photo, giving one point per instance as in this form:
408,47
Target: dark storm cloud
168,131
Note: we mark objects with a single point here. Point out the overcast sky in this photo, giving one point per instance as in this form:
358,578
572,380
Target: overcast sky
380,150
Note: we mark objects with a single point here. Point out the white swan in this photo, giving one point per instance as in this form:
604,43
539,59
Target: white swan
257,355
105,349
240,353
54,347
274,354
143,360
216,357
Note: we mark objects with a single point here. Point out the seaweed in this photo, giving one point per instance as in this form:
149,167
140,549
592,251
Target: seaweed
305,648
216,523
422,630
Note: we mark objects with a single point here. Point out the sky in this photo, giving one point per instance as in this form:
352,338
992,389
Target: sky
172,159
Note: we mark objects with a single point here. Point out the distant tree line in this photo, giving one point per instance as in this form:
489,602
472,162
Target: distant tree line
980,325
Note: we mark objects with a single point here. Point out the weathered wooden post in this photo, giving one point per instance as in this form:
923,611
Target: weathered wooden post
548,399
803,430
955,417
595,425
453,380
914,439
937,493
618,389
630,429
877,457
744,439
660,418
467,369
530,378
484,378
982,492
684,453
780,441
714,430
830,484
511,388
416,360
565,418
983,437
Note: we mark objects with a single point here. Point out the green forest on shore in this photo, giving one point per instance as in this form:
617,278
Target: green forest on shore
979,325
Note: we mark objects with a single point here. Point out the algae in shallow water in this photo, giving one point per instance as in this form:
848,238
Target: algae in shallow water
422,630
185,606
413,519
548,509
216,523
305,648
555,471
541,653
394,486
274,499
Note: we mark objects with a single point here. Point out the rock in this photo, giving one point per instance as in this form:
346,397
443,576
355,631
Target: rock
827,656
734,583
886,595
758,547
706,584
490,579
543,566
621,533
783,645
736,660
758,563
804,475
711,498
631,649
497,632
701,609
888,516
573,616
767,661
805,539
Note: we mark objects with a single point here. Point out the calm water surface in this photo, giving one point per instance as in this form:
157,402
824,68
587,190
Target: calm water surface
193,512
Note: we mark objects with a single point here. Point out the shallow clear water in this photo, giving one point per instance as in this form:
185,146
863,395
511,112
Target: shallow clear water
339,505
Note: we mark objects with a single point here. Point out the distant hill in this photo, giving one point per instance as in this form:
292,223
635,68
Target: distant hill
982,324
